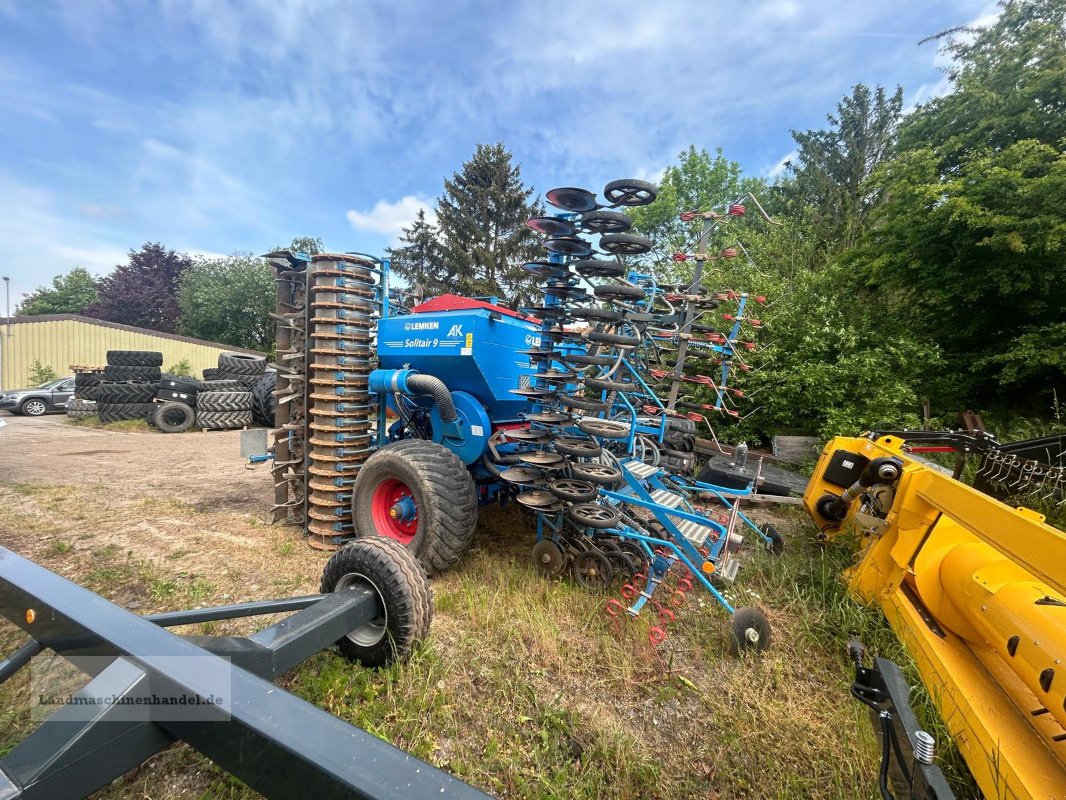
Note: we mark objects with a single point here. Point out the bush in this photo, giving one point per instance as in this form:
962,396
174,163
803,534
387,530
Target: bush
41,373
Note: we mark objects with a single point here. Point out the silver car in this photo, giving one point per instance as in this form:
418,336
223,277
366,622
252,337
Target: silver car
51,396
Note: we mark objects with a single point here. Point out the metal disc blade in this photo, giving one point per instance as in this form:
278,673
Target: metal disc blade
521,475
551,226
571,198
541,458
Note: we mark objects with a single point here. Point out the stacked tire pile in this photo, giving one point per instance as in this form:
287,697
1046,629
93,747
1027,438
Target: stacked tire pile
128,386
225,397
86,385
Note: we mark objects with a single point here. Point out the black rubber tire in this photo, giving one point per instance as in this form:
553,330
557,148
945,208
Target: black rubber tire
619,291
115,393
682,442
680,424
584,403
600,384
776,545
395,575
443,492
224,401
598,268
242,363
120,412
86,385
573,490
677,462
134,358
604,221
625,244
80,409
246,382
585,360
211,373
603,429
173,395
630,192
223,420
601,516
578,448
597,314
219,385
264,404
181,383
173,417
141,374
741,623
619,339
599,474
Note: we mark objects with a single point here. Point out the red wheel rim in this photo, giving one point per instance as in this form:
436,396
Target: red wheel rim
394,511
656,635
629,591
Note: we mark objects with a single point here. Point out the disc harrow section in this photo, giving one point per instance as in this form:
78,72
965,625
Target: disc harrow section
328,307
601,457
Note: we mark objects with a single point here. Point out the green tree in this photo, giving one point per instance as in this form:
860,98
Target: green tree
1008,81
829,186
41,374
974,260
418,258
698,182
481,216
229,300
311,245
68,294
143,291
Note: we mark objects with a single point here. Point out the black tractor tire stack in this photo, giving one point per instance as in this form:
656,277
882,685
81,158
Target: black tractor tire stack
80,409
129,385
86,384
224,398
264,403
178,388
242,367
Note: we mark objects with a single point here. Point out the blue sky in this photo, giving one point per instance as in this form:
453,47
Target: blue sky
214,126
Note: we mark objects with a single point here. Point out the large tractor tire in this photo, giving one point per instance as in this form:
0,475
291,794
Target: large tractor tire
420,494
392,572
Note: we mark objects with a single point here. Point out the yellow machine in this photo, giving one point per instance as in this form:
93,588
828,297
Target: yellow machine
976,590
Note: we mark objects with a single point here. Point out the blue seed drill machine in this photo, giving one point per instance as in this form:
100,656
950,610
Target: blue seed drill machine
399,422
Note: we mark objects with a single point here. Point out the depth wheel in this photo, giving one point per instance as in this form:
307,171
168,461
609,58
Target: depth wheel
749,631
593,571
776,545
420,494
386,568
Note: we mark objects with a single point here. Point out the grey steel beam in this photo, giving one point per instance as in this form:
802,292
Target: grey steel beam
273,741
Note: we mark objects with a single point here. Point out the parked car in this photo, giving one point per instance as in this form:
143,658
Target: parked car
51,396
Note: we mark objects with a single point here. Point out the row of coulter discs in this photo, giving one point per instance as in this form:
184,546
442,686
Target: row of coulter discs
329,323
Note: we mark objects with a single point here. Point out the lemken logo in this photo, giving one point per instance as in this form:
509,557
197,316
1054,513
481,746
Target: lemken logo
421,326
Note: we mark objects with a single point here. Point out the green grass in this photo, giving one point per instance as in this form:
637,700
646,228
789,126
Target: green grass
527,690
125,426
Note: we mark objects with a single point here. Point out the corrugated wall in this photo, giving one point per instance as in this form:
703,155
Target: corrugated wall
59,344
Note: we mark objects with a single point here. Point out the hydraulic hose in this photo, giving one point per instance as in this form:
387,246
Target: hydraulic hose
427,384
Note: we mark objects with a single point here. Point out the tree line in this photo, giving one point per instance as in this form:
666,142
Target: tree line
918,259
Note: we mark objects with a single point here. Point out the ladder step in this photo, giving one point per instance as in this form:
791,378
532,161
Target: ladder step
666,499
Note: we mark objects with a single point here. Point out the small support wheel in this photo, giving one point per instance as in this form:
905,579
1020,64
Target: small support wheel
592,571
775,545
749,631
392,572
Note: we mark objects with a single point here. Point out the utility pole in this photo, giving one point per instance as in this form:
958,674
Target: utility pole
7,316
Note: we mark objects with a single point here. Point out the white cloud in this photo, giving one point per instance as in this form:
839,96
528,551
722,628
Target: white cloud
99,259
391,218
782,164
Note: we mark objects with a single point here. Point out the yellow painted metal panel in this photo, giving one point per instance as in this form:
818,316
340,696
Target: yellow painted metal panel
61,343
